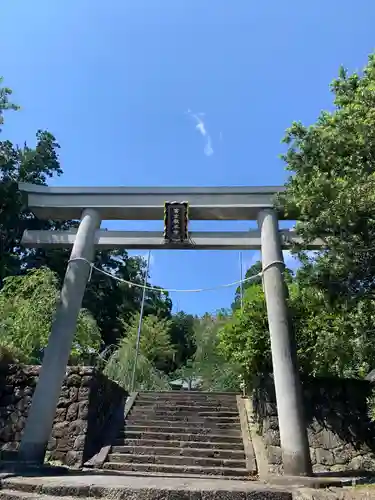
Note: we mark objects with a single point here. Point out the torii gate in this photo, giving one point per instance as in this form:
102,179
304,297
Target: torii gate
92,205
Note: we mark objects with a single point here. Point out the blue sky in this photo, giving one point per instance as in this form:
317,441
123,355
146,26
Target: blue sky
113,81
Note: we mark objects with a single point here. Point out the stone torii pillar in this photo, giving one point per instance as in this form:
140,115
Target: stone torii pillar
292,425
43,406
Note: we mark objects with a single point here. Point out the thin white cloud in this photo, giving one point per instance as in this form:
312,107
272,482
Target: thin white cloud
208,151
201,127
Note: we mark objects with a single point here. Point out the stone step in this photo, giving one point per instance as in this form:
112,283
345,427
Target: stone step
185,405
176,460
179,476
175,436
186,408
188,412
148,486
214,452
193,419
6,494
181,423
182,469
190,429
203,445
190,402
189,394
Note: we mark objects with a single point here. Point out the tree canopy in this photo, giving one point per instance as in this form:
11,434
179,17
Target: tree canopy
109,300
155,341
5,103
155,354
27,306
331,194
332,340
207,366
331,189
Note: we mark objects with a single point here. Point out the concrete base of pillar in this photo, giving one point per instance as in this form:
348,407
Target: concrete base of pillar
297,464
32,453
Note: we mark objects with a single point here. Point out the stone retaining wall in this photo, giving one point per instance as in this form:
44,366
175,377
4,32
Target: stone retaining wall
341,435
88,404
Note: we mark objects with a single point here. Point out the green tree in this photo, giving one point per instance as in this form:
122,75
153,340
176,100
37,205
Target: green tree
155,355
331,194
25,164
332,339
27,306
182,337
110,300
155,340
120,365
331,190
208,365
244,338
106,298
253,271
5,104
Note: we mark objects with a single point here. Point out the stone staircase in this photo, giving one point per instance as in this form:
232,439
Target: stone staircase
181,433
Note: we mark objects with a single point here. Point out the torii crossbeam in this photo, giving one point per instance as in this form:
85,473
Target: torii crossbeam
153,240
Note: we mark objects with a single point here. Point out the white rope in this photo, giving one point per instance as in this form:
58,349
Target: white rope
176,290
